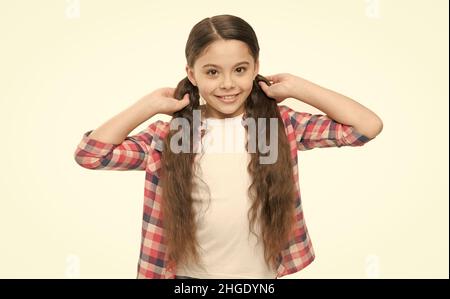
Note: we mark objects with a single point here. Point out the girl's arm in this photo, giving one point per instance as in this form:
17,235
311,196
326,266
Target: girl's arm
318,130
110,148
338,107
116,129
131,154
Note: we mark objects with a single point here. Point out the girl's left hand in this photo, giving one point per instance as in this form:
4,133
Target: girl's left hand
281,88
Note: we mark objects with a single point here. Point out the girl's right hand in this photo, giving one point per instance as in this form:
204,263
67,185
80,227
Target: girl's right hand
162,101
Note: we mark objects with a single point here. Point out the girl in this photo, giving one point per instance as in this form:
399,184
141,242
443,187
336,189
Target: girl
249,223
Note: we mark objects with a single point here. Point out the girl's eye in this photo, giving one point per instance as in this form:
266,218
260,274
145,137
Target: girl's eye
209,71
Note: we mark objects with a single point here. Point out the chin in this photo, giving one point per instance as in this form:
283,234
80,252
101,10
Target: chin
229,109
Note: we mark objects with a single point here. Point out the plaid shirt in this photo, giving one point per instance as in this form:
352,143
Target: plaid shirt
143,152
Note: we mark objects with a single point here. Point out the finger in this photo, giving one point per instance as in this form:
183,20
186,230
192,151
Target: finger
264,87
185,100
273,78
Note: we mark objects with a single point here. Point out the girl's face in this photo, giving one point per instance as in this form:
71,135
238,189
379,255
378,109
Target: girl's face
225,68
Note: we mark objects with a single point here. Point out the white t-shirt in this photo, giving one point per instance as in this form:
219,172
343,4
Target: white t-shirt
227,249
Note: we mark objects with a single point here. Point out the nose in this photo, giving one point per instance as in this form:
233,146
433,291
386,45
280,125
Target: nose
227,82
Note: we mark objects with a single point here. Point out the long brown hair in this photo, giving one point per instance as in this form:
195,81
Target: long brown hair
272,187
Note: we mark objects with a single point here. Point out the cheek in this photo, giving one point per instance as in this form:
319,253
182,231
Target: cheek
206,88
248,82
248,87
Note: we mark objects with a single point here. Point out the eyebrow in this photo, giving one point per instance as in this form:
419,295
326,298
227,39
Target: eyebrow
209,64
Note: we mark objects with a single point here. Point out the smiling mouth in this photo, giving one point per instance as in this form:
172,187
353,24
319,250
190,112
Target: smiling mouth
228,98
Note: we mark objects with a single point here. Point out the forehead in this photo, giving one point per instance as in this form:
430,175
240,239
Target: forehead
224,54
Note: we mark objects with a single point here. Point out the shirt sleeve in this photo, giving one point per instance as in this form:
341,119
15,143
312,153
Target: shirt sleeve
131,154
319,130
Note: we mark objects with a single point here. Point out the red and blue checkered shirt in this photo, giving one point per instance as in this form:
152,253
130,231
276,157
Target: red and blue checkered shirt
143,152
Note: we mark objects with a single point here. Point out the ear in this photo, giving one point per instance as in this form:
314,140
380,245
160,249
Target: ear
190,75
256,72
